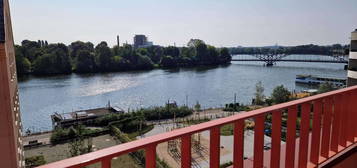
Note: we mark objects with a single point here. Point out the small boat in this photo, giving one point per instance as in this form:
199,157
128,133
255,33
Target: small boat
316,80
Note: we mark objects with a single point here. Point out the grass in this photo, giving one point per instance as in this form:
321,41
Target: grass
146,129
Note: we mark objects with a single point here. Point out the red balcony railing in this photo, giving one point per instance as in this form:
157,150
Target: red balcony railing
334,129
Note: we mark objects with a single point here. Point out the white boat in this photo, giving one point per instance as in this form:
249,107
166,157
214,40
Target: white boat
316,80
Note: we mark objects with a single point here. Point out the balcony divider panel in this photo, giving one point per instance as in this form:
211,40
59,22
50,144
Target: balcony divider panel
259,141
186,151
316,130
276,139
336,122
214,147
291,137
238,151
326,130
304,134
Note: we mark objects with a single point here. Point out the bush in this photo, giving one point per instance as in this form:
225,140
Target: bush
35,161
280,94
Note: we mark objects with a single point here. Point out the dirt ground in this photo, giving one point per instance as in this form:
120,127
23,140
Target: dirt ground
200,156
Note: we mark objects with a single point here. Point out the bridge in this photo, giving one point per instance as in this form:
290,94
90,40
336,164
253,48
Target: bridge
272,58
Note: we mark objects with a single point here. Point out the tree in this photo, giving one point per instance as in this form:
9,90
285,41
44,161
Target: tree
103,55
23,65
168,61
259,93
85,62
280,94
325,87
78,46
212,55
224,56
201,52
172,51
198,106
144,62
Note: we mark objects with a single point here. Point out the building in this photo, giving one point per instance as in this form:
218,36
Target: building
11,155
141,41
352,63
66,120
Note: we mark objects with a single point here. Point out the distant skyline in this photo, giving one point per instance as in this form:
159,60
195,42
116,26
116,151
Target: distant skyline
227,23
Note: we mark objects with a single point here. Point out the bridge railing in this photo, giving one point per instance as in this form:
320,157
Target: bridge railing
333,129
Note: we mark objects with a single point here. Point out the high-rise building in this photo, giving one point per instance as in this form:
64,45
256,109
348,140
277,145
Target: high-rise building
352,63
139,40
10,121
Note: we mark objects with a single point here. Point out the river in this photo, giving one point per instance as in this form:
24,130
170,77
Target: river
212,86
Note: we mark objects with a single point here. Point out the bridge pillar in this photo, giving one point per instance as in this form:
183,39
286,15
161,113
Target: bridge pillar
352,63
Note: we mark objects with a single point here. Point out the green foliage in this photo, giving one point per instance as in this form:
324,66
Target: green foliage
326,87
259,93
280,94
85,62
168,61
55,61
235,107
23,64
60,135
103,54
197,106
35,161
41,58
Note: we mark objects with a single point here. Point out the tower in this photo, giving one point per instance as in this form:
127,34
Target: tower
118,42
352,63
10,119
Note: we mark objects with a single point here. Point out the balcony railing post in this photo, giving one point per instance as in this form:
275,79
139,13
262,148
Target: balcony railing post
107,163
291,136
214,147
150,156
238,151
326,128
304,134
186,151
343,126
350,119
316,131
336,122
276,139
259,141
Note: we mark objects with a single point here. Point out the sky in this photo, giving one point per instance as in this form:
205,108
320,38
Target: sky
222,23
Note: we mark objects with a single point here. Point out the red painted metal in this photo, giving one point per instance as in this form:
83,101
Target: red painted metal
291,137
343,125
304,134
316,130
276,139
238,151
186,151
150,156
214,147
107,163
326,129
337,110
338,118
259,141
350,126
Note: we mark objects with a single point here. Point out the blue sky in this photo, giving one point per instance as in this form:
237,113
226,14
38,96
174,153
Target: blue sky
165,22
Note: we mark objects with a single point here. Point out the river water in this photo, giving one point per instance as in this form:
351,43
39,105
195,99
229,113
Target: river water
211,86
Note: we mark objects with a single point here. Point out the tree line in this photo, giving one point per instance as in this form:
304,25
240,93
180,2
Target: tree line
301,49
41,58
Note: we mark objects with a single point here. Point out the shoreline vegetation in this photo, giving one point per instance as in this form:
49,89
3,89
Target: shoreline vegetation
41,58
